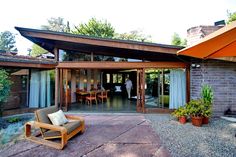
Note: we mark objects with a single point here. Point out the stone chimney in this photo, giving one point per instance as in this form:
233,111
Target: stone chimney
194,34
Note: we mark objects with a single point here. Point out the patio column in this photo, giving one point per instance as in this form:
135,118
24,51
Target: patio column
188,83
56,56
55,51
143,90
61,88
66,92
56,86
140,90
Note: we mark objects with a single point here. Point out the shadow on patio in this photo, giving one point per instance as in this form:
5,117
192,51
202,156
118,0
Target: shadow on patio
105,135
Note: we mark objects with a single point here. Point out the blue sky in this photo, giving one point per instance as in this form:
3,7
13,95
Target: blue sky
157,18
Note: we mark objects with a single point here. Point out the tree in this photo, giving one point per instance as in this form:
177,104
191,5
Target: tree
176,40
5,85
54,24
94,27
37,50
134,35
231,17
7,41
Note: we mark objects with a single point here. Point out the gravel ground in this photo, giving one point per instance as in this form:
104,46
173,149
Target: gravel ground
12,132
217,139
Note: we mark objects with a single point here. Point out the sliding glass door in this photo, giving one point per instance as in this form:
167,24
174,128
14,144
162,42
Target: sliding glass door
165,88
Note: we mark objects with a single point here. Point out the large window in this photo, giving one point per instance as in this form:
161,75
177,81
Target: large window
165,88
108,78
117,78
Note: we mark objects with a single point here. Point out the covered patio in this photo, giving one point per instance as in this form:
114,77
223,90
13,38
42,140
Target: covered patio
73,73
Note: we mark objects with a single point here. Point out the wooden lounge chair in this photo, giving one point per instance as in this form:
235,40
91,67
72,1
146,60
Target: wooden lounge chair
50,131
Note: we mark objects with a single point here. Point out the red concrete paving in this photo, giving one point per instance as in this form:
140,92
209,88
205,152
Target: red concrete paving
105,136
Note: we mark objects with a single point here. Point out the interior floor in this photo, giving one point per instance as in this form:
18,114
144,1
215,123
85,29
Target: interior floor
114,103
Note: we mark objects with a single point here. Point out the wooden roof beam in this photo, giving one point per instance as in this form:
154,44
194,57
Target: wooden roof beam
120,65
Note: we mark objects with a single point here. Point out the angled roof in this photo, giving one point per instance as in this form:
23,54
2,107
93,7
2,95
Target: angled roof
100,46
221,43
6,59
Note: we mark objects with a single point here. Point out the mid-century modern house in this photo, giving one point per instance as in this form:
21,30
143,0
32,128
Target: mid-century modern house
162,79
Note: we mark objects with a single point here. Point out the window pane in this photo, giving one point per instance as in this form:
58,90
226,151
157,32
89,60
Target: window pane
119,78
114,78
108,78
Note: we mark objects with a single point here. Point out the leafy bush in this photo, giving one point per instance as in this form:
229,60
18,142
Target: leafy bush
14,119
207,94
5,85
196,107
207,97
181,111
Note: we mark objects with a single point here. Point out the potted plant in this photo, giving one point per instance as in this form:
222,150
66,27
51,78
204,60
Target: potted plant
207,97
181,114
195,109
207,112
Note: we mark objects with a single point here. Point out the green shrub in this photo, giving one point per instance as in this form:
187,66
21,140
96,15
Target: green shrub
195,107
5,85
181,111
207,94
13,119
207,97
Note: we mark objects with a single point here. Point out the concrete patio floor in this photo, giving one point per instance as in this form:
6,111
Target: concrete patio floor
128,135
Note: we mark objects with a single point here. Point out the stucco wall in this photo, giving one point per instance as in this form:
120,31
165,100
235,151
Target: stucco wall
221,75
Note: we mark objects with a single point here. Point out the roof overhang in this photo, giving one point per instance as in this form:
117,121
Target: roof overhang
221,43
26,62
100,46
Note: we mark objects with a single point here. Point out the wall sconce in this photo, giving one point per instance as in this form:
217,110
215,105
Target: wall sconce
92,81
195,65
85,80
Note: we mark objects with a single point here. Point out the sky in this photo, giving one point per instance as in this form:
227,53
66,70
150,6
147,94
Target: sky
158,18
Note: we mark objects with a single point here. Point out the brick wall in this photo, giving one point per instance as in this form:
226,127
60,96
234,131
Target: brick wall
221,75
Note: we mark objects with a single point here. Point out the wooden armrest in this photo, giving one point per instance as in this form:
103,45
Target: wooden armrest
73,117
47,126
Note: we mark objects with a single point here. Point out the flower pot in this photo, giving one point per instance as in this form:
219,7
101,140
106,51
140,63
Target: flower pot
182,119
205,120
197,121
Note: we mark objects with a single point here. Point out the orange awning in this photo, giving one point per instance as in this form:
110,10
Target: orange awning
221,43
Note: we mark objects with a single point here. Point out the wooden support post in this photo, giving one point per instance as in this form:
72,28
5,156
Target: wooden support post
138,92
162,88
56,86
188,84
56,55
143,90
61,88
55,50
66,92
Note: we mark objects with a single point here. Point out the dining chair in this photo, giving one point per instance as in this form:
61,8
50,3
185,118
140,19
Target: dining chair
102,95
91,97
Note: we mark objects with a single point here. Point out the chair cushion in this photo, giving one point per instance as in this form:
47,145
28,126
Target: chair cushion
118,89
70,126
42,114
51,133
57,118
